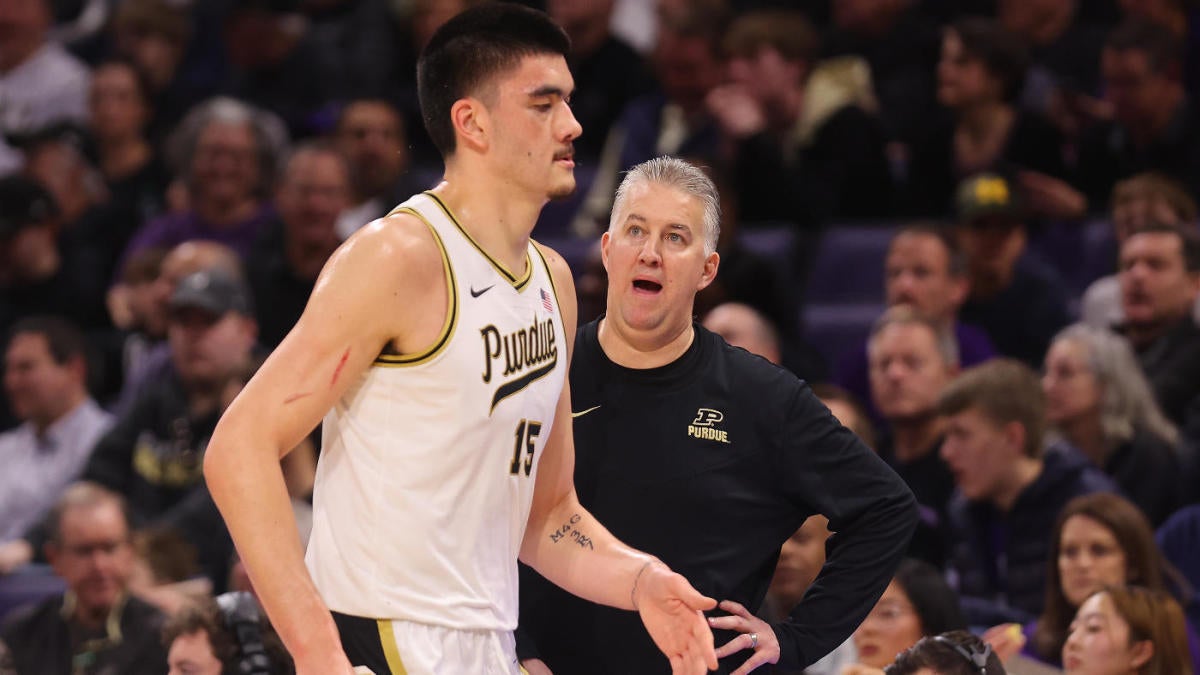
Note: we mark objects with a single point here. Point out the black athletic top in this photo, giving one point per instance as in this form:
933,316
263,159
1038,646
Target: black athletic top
710,463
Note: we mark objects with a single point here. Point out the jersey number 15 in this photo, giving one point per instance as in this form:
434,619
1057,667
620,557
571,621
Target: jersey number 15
526,435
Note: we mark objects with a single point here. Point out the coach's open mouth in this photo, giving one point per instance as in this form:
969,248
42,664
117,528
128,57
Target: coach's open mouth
647,286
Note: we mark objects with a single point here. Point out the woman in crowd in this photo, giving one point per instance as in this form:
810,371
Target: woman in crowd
1100,540
916,604
1127,631
1098,400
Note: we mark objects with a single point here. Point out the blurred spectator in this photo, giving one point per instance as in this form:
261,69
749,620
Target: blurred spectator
608,72
901,48
165,572
743,326
43,85
926,270
155,452
273,64
1098,399
980,75
155,35
1016,298
1100,540
1153,125
120,109
672,121
371,135
911,362
1160,280
1008,489
848,410
1127,630
801,136
283,267
96,626
1179,539
228,634
356,43
149,305
45,375
1137,201
916,604
954,653
1065,71
38,274
225,152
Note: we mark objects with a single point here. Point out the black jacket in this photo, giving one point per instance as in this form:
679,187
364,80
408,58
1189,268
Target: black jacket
711,463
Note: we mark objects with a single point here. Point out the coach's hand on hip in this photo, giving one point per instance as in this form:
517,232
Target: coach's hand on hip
756,635
673,613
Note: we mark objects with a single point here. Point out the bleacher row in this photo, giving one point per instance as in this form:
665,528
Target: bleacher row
842,290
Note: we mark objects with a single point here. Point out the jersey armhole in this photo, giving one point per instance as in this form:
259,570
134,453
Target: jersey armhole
426,355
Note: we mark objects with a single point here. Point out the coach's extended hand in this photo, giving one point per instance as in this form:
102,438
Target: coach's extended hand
673,614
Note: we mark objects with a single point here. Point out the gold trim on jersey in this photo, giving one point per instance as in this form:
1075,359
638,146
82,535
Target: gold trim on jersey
416,359
518,284
391,653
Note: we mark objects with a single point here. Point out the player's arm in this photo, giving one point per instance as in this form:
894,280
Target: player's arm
372,286
568,546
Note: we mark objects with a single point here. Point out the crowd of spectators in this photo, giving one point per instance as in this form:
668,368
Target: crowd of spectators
175,173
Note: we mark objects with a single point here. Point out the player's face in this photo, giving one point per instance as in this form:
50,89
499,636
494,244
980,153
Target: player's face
654,254
906,371
1072,391
890,628
534,128
978,452
917,273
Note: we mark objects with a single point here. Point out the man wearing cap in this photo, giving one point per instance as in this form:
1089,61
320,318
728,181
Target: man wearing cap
1018,300
153,456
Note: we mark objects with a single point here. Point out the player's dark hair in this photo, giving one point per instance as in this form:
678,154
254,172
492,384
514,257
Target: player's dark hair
472,48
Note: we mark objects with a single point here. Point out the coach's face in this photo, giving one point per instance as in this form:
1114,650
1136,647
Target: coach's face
654,254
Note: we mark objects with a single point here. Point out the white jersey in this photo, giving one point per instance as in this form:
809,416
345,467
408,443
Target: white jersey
428,461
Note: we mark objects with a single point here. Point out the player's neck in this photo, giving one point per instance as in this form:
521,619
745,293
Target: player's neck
642,350
500,222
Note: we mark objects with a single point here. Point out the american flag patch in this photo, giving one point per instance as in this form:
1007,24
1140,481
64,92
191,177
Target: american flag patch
546,303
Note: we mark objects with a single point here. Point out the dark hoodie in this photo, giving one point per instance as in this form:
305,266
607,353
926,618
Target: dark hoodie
999,559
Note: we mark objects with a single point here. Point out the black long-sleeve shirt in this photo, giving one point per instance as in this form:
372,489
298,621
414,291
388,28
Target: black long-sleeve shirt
711,463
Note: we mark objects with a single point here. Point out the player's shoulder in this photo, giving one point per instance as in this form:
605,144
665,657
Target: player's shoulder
399,242
555,263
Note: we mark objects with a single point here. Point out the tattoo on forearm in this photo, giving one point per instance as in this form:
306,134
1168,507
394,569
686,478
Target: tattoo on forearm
568,531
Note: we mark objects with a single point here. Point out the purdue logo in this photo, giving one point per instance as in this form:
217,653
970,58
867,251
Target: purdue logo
532,347
703,426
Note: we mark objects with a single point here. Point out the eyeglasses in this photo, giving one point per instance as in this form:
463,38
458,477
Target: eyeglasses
889,613
971,652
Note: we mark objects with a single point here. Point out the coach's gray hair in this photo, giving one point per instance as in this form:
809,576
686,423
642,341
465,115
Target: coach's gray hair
682,176
903,315
1126,401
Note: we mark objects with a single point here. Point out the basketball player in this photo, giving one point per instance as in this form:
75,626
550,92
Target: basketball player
707,456
435,345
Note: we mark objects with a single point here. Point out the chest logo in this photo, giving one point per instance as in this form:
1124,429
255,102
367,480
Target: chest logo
519,358
705,426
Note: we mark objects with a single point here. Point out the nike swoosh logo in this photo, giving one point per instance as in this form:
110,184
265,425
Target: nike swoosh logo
581,413
476,294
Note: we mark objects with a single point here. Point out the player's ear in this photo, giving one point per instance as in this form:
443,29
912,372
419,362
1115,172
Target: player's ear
472,125
711,263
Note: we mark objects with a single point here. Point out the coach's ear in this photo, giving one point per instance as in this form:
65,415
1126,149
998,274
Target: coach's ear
605,241
711,263
472,124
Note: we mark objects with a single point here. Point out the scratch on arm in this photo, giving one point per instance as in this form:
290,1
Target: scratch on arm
296,397
338,371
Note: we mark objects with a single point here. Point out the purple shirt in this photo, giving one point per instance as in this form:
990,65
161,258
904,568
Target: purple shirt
853,371
172,229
